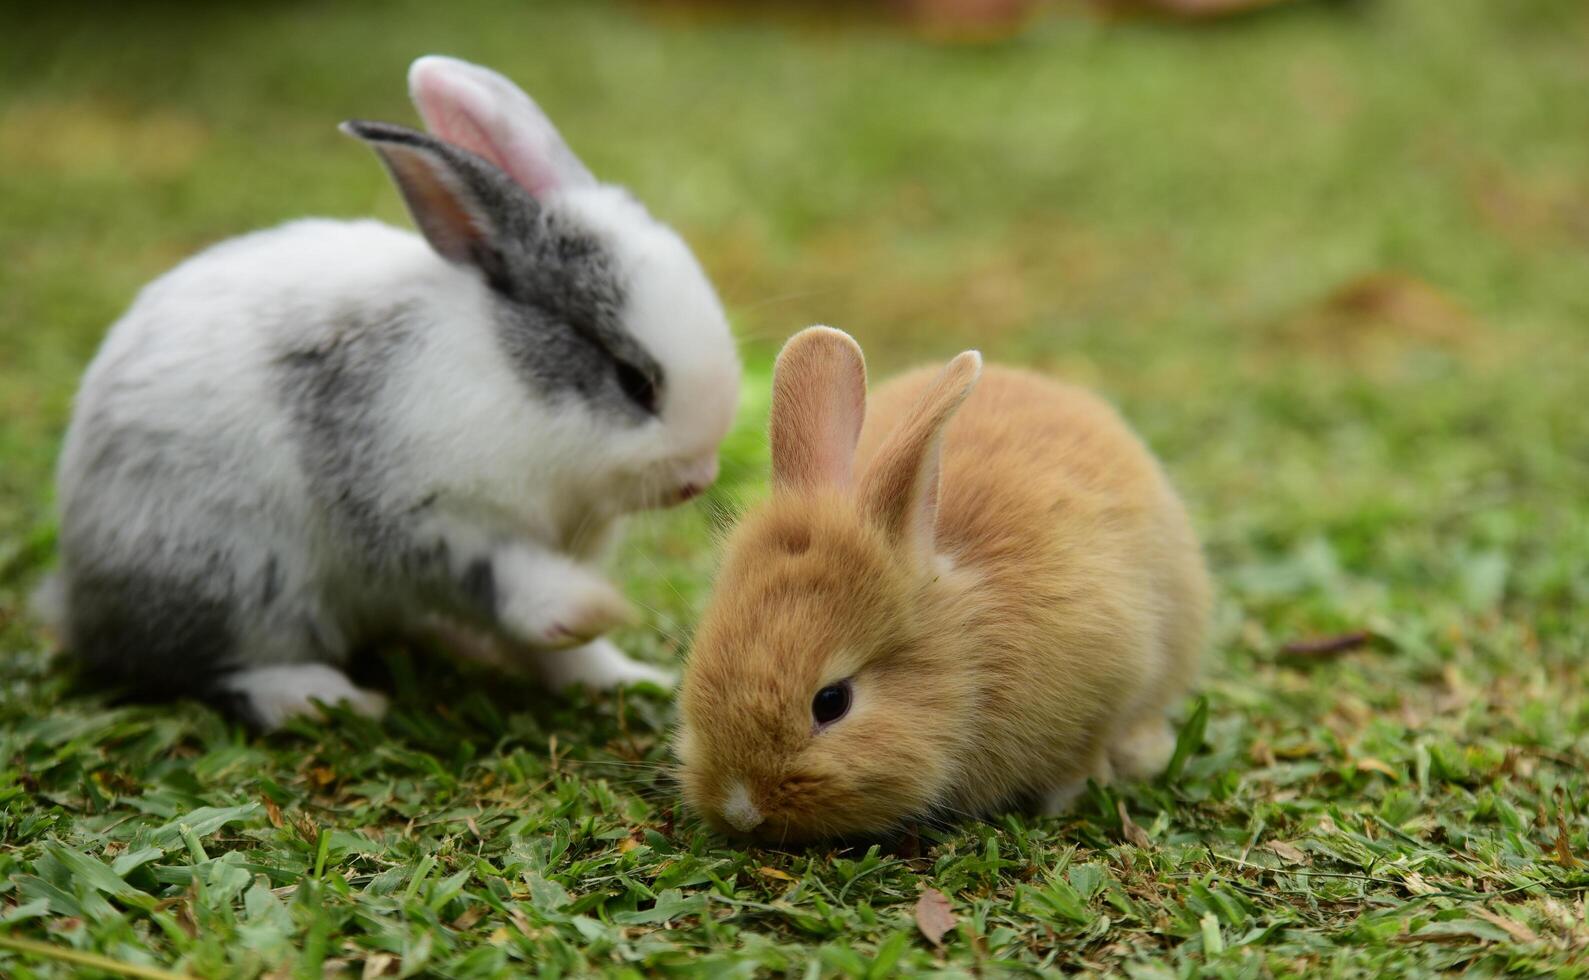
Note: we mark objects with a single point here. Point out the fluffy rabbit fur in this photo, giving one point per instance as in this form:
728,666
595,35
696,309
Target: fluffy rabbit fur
993,568
307,435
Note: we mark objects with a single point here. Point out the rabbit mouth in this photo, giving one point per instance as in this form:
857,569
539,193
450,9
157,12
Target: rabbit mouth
687,491
688,479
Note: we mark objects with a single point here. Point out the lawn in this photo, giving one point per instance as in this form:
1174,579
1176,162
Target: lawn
1333,261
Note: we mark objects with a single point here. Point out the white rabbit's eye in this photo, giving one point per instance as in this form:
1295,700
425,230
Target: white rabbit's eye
636,386
831,703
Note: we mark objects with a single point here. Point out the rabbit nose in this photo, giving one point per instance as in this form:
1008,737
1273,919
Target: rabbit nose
697,474
738,809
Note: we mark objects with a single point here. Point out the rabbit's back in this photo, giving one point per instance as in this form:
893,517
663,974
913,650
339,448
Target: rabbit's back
199,391
190,511
1091,575
1025,453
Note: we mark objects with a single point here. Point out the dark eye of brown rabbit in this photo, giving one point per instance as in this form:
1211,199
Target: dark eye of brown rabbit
831,703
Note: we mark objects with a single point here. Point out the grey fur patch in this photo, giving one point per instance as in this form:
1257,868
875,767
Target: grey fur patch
500,212
562,327
154,635
428,562
479,584
331,391
270,582
561,320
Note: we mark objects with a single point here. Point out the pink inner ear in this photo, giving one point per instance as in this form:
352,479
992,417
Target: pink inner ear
925,519
840,431
468,115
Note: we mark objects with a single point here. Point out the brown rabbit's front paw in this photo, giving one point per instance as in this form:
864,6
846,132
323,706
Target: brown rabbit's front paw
1144,750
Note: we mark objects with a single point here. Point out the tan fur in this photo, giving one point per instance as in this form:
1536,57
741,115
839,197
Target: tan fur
813,440
1027,632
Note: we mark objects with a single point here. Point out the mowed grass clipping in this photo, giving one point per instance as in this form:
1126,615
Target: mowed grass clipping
1331,261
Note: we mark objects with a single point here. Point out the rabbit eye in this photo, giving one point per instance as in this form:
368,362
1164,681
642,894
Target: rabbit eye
636,386
831,703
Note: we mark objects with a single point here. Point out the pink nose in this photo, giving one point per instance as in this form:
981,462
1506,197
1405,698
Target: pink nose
694,477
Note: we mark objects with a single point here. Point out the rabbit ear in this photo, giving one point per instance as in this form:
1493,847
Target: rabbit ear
900,489
479,110
818,404
461,204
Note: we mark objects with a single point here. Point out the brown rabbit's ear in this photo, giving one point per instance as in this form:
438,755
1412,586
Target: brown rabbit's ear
818,404
900,490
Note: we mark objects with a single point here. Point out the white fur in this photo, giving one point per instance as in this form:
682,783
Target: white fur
598,665
479,110
738,809
1060,799
279,693
539,486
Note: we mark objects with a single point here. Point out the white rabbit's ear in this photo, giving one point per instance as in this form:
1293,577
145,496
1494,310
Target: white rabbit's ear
900,491
461,204
818,404
479,110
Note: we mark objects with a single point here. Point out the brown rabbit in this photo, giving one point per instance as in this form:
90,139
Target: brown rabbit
983,596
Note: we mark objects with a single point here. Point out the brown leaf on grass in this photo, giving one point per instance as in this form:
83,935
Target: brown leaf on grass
379,965
909,846
273,812
1415,883
934,917
1325,646
470,916
1128,828
766,872
1564,855
1261,753
1375,765
1289,853
1511,927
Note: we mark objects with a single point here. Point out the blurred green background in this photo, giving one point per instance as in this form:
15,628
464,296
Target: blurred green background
1333,260
1261,236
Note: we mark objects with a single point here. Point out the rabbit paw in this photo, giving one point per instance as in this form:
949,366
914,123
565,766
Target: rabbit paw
1144,750
562,606
1062,798
598,665
271,695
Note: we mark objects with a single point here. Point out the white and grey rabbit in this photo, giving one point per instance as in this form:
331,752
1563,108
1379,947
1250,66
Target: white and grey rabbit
308,435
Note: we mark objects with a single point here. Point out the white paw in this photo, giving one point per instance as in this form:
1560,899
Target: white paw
597,665
1144,751
1058,801
1063,797
277,693
566,609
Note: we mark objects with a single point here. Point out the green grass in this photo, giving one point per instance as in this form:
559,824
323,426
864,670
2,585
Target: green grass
1331,261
